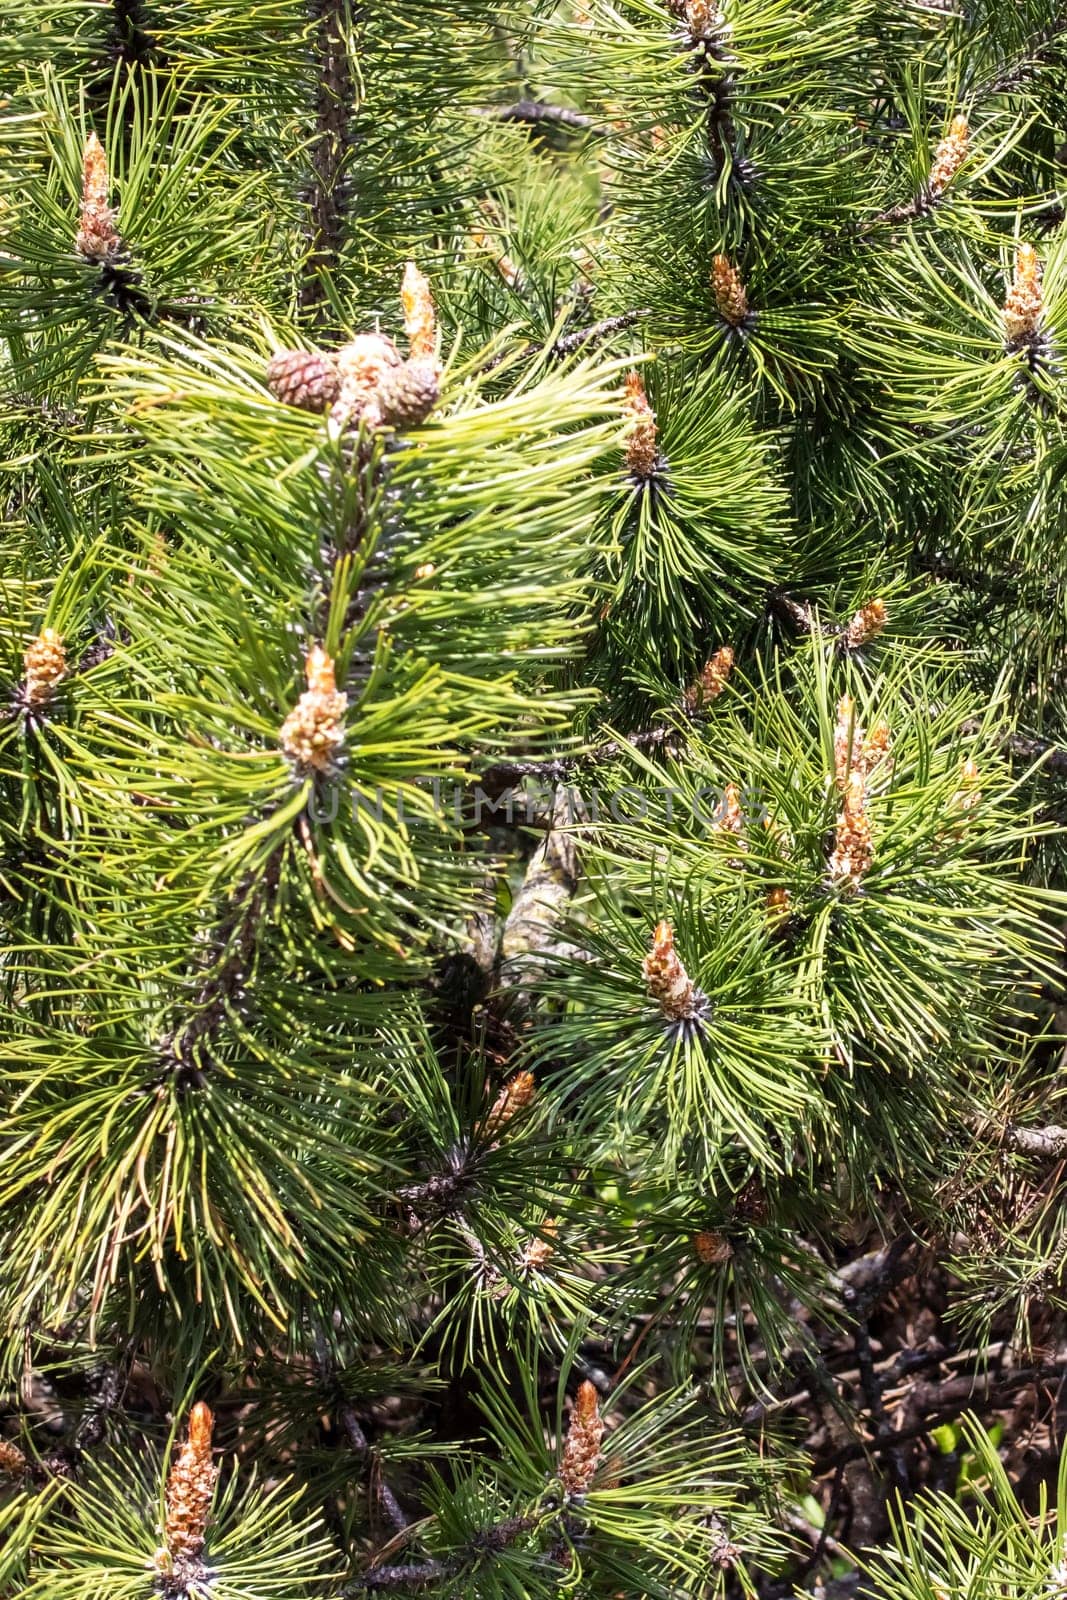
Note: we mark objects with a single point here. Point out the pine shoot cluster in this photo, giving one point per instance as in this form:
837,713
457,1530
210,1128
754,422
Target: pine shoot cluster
313,732
98,239
581,1451
1024,307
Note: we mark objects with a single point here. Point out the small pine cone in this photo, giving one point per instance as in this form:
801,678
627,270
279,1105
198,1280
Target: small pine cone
730,297
866,625
751,1204
314,731
711,1249
405,396
581,1452
712,681
1024,307
853,852
642,453
304,378
516,1096
949,156
669,984
362,365
730,818
420,317
45,662
97,239
779,903
539,1252
190,1485
12,1461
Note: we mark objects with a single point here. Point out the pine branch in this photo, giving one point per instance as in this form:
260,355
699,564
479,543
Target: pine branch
536,112
1046,1143
334,94
131,42
185,1052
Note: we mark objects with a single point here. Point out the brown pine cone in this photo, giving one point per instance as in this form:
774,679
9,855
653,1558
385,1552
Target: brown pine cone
407,394
304,378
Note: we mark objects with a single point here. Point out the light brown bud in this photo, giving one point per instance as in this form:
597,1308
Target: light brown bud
730,297
45,661
420,316
712,681
313,732
1024,307
97,239
866,625
642,452
711,1249
669,984
949,156
581,1451
515,1097
779,903
12,1461
190,1485
539,1251
853,852
730,817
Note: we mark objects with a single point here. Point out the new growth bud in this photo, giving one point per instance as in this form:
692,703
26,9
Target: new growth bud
711,1249
669,985
642,453
581,1451
45,662
515,1097
313,732
949,156
12,1461
779,905
730,297
97,239
189,1489
420,317
1024,307
853,852
866,625
712,681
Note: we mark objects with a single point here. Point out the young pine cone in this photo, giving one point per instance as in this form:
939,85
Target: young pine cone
731,301
45,662
303,378
405,395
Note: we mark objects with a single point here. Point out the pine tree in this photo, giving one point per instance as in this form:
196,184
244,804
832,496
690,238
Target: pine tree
532,758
